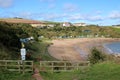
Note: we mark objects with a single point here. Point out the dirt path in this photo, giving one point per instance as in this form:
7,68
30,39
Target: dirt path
37,75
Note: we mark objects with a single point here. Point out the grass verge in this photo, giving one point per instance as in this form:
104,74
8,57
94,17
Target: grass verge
100,71
6,75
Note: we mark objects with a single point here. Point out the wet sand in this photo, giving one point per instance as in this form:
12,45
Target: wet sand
77,49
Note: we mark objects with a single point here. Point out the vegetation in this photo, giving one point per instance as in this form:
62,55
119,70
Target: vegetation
77,32
38,51
96,56
100,71
10,35
6,75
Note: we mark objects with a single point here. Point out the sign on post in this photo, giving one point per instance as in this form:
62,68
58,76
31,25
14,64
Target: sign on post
23,57
23,53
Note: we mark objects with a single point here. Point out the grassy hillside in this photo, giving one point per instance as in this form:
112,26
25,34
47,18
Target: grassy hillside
10,35
38,51
101,71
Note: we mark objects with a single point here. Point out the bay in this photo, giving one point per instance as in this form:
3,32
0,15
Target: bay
113,48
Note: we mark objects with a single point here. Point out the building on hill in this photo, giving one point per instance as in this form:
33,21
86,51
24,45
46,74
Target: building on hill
79,24
38,25
116,26
66,24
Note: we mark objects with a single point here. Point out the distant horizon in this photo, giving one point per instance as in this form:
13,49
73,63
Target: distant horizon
101,12
57,21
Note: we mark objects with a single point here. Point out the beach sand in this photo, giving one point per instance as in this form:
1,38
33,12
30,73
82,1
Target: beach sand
77,49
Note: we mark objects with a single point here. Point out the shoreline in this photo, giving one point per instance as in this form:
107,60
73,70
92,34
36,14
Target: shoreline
78,49
107,49
110,51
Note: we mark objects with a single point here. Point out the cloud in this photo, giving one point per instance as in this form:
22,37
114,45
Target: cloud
6,3
69,7
95,18
61,17
10,14
76,17
114,15
86,17
51,16
25,15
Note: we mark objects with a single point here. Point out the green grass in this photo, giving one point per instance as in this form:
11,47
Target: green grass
6,75
116,30
39,50
101,71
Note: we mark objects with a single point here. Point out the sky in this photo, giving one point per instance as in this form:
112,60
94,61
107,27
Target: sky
101,12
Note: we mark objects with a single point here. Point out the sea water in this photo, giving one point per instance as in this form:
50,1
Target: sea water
113,48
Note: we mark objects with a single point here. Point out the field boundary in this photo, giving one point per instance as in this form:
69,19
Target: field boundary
17,65
55,66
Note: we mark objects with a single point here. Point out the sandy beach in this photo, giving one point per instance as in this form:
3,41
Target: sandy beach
77,49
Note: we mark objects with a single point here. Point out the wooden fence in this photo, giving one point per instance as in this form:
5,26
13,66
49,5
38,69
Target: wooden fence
27,66
17,65
62,65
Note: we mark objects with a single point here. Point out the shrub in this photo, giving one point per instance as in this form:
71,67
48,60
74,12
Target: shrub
96,56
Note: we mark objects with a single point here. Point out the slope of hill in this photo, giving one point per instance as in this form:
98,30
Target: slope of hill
10,35
18,20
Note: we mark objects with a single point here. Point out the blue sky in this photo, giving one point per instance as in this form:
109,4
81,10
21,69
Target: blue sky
102,12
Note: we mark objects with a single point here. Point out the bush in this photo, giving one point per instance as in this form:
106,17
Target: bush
96,56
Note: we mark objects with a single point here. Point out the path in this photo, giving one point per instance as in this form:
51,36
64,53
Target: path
37,75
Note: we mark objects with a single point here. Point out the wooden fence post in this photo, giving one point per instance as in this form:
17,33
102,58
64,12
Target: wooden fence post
6,65
65,66
53,66
23,66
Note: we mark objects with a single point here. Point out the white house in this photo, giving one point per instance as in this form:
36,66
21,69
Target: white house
79,24
66,24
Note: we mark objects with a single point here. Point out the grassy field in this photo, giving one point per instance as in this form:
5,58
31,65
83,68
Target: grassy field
101,71
19,20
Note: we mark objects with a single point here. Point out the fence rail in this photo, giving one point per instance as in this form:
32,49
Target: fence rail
62,65
17,65
27,66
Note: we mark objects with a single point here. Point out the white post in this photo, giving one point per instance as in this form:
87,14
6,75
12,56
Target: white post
23,53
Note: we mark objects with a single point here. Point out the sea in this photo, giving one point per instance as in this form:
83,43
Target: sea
113,48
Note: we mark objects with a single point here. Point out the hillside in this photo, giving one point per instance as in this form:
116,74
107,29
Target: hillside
18,20
10,35
61,49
